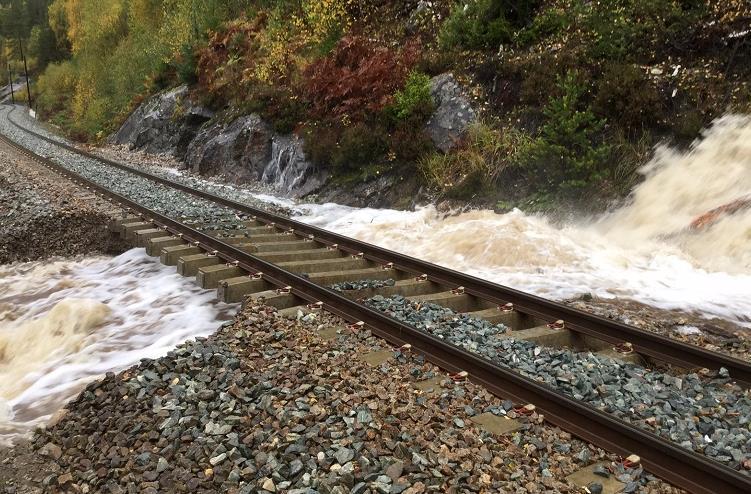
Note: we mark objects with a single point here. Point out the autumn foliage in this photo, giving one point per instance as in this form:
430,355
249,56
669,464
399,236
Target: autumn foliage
227,57
358,77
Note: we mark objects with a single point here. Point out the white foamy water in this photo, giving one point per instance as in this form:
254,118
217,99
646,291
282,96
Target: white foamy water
64,323
642,251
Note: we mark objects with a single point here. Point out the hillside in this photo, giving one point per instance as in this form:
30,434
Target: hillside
570,96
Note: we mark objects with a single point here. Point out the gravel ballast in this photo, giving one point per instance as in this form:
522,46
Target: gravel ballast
706,412
362,284
43,215
159,197
269,405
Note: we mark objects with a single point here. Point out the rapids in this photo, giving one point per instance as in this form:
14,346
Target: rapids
63,323
643,251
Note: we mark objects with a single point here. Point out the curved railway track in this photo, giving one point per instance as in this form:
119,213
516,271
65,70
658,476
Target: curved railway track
248,267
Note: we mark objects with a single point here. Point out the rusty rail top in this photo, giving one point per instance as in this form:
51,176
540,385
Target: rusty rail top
681,467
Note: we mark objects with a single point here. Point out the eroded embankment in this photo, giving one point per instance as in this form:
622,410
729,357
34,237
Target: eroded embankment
43,215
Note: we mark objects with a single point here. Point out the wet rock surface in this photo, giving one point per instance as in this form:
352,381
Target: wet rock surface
453,112
164,124
43,215
389,190
706,412
240,149
267,405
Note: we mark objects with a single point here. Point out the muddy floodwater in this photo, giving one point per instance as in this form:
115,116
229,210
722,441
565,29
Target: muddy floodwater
66,322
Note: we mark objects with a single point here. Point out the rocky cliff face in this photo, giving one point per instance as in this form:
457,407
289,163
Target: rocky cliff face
163,124
243,149
247,149
240,149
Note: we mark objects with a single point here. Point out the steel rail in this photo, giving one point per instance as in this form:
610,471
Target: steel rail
644,342
681,467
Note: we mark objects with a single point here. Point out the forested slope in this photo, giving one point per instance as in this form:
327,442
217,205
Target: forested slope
572,95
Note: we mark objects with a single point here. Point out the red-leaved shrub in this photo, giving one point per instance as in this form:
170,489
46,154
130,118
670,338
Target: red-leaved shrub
358,77
228,54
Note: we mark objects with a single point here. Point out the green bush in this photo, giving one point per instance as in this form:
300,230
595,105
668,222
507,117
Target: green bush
55,88
547,23
345,148
186,65
482,24
626,95
414,102
567,156
359,145
538,75
486,153
634,30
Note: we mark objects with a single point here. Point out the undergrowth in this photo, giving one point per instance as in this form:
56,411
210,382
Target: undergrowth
572,94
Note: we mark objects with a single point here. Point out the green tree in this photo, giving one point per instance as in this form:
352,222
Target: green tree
480,24
568,156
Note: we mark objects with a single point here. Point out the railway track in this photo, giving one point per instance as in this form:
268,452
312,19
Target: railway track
291,265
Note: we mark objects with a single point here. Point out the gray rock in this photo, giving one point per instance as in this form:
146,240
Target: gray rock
240,149
218,459
595,488
52,450
394,471
344,455
359,488
165,123
288,170
453,112
217,429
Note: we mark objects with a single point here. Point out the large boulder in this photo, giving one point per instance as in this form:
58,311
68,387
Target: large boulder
240,150
164,124
453,112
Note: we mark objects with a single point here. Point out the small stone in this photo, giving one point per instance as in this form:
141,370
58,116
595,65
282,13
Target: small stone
394,471
218,459
269,485
52,450
344,455
364,417
595,488
359,488
600,470
295,467
64,479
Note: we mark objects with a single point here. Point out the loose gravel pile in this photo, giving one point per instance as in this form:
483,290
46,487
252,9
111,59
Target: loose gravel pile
135,160
42,215
267,405
362,284
707,413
